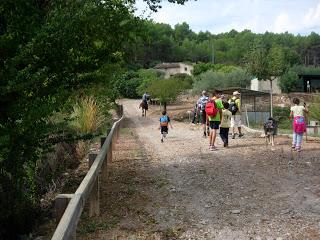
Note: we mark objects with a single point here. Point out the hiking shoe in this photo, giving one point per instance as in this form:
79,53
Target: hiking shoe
293,146
233,136
213,148
204,135
240,135
161,140
298,149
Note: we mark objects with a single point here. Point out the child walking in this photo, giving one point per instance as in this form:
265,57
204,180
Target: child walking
215,121
164,122
225,124
299,124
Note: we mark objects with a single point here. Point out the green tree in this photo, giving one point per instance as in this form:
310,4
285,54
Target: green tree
266,64
288,81
167,89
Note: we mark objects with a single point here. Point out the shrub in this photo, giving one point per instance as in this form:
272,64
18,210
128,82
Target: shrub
281,114
288,81
314,112
212,80
167,89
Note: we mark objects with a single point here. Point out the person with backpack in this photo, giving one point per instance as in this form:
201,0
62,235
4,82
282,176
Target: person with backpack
164,122
225,124
299,123
235,109
214,111
203,117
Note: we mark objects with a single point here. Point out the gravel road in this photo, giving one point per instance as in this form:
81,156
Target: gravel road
182,190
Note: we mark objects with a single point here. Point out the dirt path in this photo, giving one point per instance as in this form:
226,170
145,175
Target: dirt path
180,190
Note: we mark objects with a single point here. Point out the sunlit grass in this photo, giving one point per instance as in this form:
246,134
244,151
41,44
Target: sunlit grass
87,116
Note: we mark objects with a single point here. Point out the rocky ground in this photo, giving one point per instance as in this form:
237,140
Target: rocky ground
180,190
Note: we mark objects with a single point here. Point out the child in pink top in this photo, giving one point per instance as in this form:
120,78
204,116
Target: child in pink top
299,125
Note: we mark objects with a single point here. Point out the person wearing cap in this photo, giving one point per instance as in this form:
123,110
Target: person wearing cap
236,117
201,106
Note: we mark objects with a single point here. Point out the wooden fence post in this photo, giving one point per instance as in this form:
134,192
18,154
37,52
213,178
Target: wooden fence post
94,205
102,140
109,155
60,205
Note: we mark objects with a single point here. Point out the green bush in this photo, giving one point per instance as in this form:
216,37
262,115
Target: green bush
167,89
314,108
218,80
281,114
127,85
288,81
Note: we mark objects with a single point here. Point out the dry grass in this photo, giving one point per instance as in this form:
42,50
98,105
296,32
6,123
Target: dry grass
87,116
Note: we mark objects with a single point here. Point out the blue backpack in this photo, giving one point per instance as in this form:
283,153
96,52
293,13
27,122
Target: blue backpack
164,120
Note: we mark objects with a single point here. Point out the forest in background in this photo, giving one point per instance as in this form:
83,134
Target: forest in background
63,62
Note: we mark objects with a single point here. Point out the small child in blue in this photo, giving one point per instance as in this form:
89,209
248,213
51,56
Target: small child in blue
164,122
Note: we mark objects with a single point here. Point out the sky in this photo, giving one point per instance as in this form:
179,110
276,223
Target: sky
217,16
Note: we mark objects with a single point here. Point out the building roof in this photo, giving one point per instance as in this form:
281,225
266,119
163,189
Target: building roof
244,92
313,76
168,65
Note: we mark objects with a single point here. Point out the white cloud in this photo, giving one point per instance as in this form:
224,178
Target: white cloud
282,23
296,16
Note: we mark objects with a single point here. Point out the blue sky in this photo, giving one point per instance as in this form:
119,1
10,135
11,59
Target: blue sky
216,16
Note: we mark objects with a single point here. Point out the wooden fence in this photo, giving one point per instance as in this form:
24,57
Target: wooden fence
69,207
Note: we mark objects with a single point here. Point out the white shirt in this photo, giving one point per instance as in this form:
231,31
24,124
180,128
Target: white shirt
297,110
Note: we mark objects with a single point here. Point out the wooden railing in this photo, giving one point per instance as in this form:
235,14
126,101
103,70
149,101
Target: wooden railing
69,207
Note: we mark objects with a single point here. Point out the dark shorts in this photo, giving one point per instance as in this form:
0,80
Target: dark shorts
203,116
214,124
164,129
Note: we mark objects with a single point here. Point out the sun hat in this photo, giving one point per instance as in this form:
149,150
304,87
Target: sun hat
236,93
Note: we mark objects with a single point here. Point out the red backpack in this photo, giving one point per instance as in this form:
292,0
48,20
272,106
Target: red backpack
211,109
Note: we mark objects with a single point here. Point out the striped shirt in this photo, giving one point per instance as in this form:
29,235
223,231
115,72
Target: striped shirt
202,102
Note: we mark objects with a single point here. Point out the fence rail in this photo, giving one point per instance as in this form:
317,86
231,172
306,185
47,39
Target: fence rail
69,207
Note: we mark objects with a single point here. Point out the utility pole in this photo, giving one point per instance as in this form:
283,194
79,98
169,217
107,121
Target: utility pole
212,49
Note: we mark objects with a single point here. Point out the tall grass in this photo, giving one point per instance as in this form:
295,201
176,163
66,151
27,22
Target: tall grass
87,116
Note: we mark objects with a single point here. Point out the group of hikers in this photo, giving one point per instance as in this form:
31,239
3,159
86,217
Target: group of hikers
218,113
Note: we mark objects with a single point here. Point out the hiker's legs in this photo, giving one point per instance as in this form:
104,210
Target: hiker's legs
224,135
227,136
298,140
233,126
294,139
194,117
204,122
213,135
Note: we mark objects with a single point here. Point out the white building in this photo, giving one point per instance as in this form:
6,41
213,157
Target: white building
264,86
171,69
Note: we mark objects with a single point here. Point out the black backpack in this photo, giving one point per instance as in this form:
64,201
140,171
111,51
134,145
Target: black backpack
233,107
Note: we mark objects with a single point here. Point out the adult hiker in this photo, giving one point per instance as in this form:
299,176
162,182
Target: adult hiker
203,117
144,104
235,109
214,110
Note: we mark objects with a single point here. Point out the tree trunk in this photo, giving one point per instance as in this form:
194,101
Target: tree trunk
165,106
